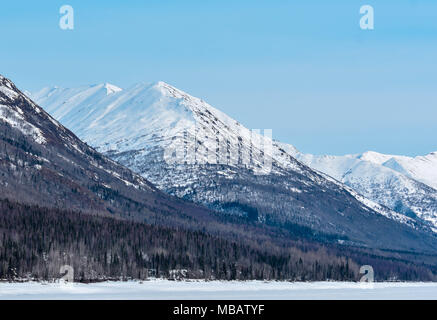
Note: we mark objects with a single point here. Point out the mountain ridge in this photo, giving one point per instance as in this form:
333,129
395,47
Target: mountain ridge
136,126
43,163
387,179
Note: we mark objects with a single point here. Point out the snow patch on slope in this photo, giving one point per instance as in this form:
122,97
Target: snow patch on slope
16,120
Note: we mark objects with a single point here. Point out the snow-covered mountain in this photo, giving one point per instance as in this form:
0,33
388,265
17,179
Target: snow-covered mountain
404,184
420,168
192,150
43,163
150,116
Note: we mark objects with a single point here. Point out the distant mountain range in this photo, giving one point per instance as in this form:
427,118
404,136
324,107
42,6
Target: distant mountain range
193,151
404,184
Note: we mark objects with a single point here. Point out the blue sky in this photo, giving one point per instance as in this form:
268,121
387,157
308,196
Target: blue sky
302,68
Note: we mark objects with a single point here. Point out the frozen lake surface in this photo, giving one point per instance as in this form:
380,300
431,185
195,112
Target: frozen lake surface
219,290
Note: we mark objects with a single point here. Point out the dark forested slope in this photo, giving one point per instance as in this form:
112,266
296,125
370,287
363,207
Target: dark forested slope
36,242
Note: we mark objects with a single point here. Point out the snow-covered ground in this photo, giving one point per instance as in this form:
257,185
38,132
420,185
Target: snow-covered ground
185,290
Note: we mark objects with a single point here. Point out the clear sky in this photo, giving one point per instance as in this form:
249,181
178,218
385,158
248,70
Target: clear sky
302,68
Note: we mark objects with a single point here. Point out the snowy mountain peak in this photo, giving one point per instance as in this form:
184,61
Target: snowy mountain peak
374,157
173,92
169,89
106,87
14,115
8,88
110,88
5,82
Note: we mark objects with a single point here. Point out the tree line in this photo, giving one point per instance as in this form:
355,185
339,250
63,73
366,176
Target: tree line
36,242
